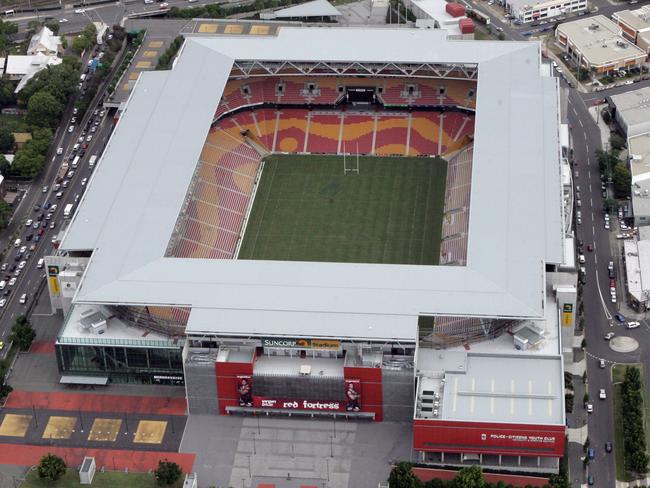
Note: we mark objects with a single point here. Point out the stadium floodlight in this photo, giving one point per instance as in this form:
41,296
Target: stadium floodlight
354,164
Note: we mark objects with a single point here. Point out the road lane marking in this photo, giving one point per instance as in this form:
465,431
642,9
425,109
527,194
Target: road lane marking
580,122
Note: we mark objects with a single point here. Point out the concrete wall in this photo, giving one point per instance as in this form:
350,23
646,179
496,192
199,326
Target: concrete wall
398,395
201,386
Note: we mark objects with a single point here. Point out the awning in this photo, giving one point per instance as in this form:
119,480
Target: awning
84,380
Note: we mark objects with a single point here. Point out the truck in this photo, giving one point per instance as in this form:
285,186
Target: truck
92,161
67,211
62,172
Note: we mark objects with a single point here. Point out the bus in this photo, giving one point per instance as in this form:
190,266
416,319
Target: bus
92,160
75,162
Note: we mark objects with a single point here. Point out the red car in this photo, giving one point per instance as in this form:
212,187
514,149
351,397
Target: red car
41,231
590,248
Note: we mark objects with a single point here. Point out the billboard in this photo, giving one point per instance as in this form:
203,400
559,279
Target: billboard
352,395
301,343
483,437
297,404
245,390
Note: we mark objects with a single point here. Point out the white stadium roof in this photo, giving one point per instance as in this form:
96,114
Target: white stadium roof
315,8
129,211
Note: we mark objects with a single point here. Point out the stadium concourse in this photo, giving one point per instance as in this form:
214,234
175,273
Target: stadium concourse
291,228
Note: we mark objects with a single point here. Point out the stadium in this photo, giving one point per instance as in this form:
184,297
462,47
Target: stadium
361,223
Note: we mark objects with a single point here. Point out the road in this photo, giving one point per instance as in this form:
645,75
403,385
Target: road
109,13
31,277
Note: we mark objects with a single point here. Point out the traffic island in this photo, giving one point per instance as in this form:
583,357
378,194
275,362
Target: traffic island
623,344
621,414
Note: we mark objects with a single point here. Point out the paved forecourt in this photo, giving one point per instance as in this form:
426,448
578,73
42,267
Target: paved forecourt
307,208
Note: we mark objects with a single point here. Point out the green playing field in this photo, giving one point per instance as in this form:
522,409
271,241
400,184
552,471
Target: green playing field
307,209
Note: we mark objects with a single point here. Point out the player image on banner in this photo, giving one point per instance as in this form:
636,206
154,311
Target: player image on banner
245,390
353,395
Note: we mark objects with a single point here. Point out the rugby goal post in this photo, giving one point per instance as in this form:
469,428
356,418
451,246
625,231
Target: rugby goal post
350,165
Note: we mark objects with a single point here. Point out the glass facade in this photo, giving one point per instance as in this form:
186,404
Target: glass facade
122,364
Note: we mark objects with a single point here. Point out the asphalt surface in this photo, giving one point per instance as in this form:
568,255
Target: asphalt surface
109,13
31,278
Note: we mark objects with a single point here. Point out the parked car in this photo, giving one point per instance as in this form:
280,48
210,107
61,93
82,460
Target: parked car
620,318
633,325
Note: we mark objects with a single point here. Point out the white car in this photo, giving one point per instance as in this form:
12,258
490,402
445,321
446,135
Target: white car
80,11
147,2
83,182
590,408
53,207
89,138
22,264
59,151
581,258
71,128
602,395
633,325
36,225
52,225
70,173
613,297
75,111
29,222
23,298
3,302
607,225
12,281
62,21
609,336
22,250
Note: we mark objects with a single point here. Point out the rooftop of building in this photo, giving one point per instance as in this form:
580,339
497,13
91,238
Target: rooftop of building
77,329
598,39
633,106
313,9
128,214
638,19
639,151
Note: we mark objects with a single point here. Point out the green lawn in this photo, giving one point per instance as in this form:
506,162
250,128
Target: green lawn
306,209
15,123
618,372
101,480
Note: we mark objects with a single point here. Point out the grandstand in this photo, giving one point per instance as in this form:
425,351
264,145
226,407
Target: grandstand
220,224
318,115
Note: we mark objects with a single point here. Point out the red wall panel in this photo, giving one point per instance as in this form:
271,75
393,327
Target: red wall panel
493,438
227,382
371,395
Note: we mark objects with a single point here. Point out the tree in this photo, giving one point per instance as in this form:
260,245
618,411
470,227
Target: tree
471,477
622,179
401,476
7,140
51,467
616,141
80,44
610,204
5,214
43,109
167,473
7,93
22,333
53,25
7,29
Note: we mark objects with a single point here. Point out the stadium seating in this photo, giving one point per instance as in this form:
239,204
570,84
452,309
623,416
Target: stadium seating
324,131
358,132
221,193
455,224
325,91
291,130
391,135
425,132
